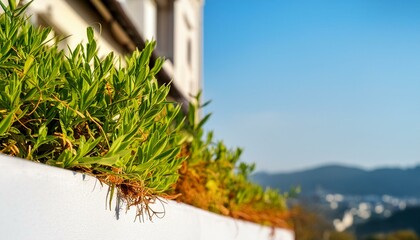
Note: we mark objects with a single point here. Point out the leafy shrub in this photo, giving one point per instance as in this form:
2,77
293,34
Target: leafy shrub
83,112
212,178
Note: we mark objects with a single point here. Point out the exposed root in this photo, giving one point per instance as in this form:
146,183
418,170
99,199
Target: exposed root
148,205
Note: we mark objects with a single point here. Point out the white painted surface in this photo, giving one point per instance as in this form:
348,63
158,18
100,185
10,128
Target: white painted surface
43,202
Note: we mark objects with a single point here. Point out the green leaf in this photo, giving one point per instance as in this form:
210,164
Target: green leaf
22,9
28,63
90,95
146,54
12,4
203,121
6,123
6,9
105,160
158,66
90,34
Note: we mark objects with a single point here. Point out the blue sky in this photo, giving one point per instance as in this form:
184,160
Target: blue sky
303,83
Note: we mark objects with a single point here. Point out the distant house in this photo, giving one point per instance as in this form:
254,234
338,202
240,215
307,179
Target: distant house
123,25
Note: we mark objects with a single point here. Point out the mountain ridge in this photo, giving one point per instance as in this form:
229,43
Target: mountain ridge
350,180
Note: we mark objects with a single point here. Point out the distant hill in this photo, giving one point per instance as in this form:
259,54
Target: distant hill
347,180
407,219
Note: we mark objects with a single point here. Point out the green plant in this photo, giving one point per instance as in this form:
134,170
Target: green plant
213,178
83,112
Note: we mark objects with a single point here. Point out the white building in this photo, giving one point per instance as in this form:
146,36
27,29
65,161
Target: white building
123,25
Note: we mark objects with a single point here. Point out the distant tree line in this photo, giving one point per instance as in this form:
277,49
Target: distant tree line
398,235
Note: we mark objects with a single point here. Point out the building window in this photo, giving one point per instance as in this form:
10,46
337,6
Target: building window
188,27
165,28
189,52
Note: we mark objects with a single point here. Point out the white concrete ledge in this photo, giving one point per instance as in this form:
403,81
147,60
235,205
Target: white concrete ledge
43,202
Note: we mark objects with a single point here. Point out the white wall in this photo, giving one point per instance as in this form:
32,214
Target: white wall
43,202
